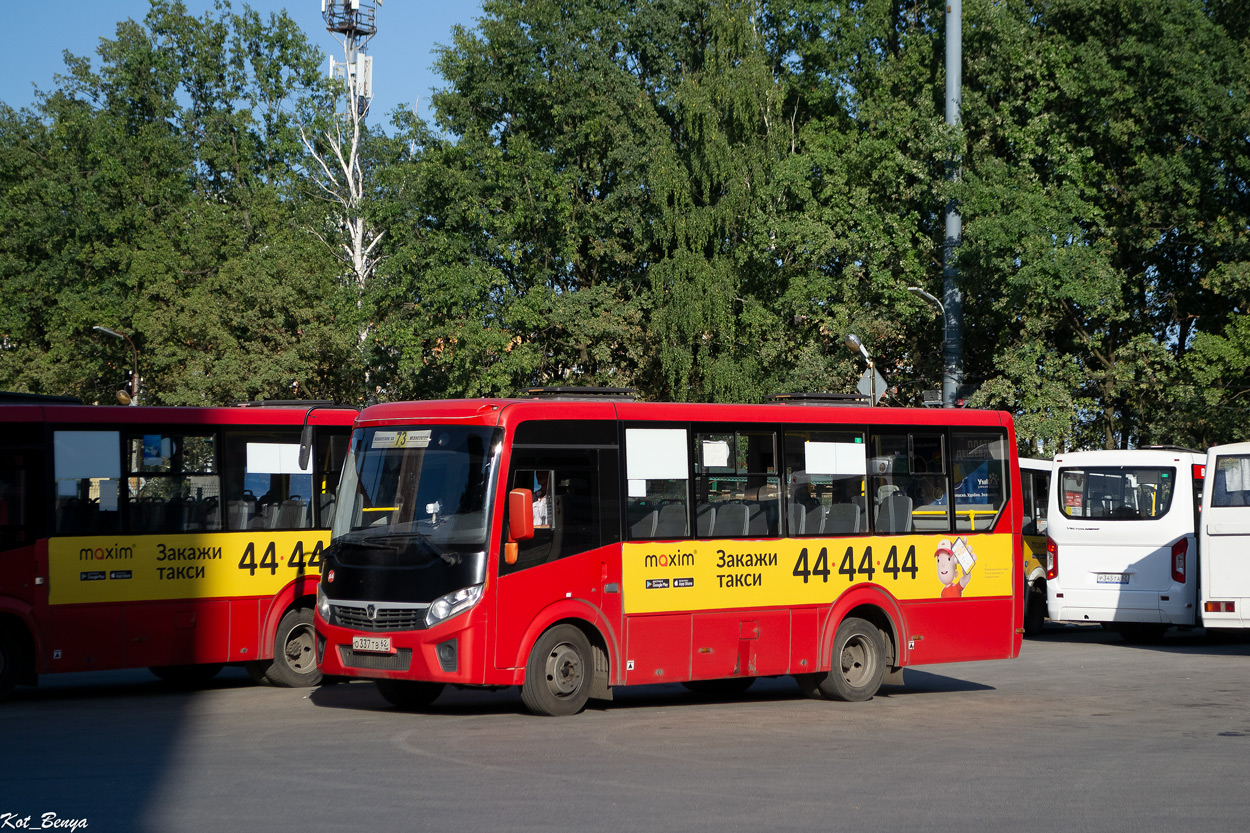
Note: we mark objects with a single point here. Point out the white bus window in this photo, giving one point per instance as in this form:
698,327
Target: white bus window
658,483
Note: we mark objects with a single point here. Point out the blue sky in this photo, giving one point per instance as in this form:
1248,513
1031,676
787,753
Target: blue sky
41,30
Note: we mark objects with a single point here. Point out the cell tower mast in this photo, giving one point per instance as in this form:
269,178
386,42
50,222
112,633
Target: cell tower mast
353,23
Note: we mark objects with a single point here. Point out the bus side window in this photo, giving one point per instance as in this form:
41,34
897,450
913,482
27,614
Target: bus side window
737,488
87,467
657,480
825,491
982,478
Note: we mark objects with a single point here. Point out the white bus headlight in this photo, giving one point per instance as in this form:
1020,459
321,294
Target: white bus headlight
445,607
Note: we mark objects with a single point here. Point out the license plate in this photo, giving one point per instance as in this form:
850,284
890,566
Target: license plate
1112,578
372,644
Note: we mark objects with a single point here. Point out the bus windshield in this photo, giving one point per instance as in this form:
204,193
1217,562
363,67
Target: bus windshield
419,494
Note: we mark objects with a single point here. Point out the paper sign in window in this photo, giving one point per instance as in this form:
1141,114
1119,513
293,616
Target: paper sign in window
655,453
834,458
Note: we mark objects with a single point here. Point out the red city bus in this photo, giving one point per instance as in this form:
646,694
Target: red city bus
173,538
568,544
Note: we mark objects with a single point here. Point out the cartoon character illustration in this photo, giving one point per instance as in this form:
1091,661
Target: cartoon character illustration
951,559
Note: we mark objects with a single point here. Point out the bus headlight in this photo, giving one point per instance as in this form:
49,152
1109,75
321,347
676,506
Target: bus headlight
445,607
323,604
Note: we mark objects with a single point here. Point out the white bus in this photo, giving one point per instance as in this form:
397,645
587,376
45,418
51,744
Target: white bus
1122,539
1034,497
1224,533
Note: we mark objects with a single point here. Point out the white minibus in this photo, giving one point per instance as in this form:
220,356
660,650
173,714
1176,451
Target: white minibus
1224,538
1121,545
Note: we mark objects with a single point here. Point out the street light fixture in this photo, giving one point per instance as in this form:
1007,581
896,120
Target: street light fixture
131,398
948,375
853,344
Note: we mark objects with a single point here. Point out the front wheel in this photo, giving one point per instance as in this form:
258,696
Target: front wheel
858,662
294,651
559,673
409,695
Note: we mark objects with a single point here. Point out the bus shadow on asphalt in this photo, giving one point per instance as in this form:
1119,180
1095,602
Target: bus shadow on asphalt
1191,641
364,696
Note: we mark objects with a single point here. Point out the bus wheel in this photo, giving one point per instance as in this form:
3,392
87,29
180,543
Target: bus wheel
558,674
858,662
187,676
409,694
294,651
728,687
1035,609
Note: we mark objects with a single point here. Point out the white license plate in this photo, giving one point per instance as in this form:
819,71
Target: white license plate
372,644
1112,578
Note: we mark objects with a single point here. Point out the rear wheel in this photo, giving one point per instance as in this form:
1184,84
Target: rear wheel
409,694
558,674
1035,609
187,676
727,687
294,651
858,662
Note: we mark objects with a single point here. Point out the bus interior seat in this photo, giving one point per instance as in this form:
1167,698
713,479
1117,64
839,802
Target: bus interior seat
842,519
894,515
705,519
731,520
644,527
672,522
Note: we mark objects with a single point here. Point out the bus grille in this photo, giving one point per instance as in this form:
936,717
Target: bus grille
398,661
385,618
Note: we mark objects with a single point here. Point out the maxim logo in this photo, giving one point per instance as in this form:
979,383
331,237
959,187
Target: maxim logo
681,559
114,553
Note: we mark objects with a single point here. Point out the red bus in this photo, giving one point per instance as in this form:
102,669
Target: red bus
569,544
173,538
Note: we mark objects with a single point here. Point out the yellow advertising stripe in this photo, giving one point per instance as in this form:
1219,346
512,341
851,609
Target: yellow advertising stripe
710,575
205,565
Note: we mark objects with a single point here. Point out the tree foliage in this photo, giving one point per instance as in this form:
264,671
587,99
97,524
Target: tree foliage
696,200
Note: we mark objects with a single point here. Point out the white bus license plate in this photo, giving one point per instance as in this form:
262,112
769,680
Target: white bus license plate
1112,578
372,644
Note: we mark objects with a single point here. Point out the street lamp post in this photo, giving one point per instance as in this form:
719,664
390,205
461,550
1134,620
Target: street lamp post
853,344
948,365
134,375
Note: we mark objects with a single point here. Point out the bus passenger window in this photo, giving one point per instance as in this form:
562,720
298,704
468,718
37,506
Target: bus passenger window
87,467
658,484
825,482
172,483
265,486
980,472
737,488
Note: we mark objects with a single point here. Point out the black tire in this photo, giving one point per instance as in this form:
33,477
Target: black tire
409,695
715,689
187,676
559,673
257,671
8,665
295,651
1035,609
858,662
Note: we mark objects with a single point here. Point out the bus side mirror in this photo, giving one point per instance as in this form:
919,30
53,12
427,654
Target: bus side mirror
305,447
520,515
